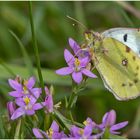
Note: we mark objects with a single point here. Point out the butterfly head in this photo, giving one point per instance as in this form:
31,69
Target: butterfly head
91,37
91,43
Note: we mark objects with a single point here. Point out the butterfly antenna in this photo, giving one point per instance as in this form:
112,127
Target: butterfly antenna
77,22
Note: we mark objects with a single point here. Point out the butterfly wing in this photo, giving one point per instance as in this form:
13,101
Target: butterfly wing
128,36
119,69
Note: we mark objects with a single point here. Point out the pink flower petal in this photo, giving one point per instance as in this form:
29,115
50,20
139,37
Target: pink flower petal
64,71
88,73
37,106
69,58
37,133
88,130
75,47
105,117
15,94
19,112
30,112
55,126
31,82
35,92
20,102
47,91
111,118
74,131
77,77
49,103
84,62
114,132
14,84
32,99
119,126
11,107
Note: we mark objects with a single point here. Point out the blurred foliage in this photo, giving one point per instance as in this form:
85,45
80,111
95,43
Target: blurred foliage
53,29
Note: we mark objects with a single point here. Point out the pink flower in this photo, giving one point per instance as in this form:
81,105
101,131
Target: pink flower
76,67
52,133
48,104
78,51
23,87
109,120
11,107
27,106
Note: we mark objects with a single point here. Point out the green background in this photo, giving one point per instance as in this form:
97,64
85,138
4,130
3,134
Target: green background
53,29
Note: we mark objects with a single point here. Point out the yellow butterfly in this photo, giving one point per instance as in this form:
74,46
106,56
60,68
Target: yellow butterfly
116,57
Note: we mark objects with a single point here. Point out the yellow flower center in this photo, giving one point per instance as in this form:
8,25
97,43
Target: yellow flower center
81,131
25,90
85,122
25,82
77,62
26,100
50,133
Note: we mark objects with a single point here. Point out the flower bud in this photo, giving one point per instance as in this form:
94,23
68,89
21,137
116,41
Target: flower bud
11,107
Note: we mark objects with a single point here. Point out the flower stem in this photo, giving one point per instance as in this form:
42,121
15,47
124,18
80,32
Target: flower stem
18,129
36,48
73,97
72,100
71,117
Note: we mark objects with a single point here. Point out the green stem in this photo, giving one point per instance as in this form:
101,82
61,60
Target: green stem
71,117
36,48
73,97
18,129
72,100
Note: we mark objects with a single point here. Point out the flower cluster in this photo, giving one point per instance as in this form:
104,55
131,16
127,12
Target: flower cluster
78,64
25,98
90,130
52,133
26,102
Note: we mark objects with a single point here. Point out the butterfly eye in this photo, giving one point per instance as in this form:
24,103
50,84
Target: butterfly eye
88,35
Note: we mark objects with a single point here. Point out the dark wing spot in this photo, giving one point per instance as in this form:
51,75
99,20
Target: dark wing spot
135,81
136,74
127,49
124,62
137,68
125,37
134,58
123,84
130,84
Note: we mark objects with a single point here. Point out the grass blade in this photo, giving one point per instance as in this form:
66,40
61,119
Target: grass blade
27,59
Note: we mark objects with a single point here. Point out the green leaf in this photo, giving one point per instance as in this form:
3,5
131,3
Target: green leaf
65,122
116,137
27,59
17,131
2,131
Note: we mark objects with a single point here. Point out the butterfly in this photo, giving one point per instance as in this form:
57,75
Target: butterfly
116,55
